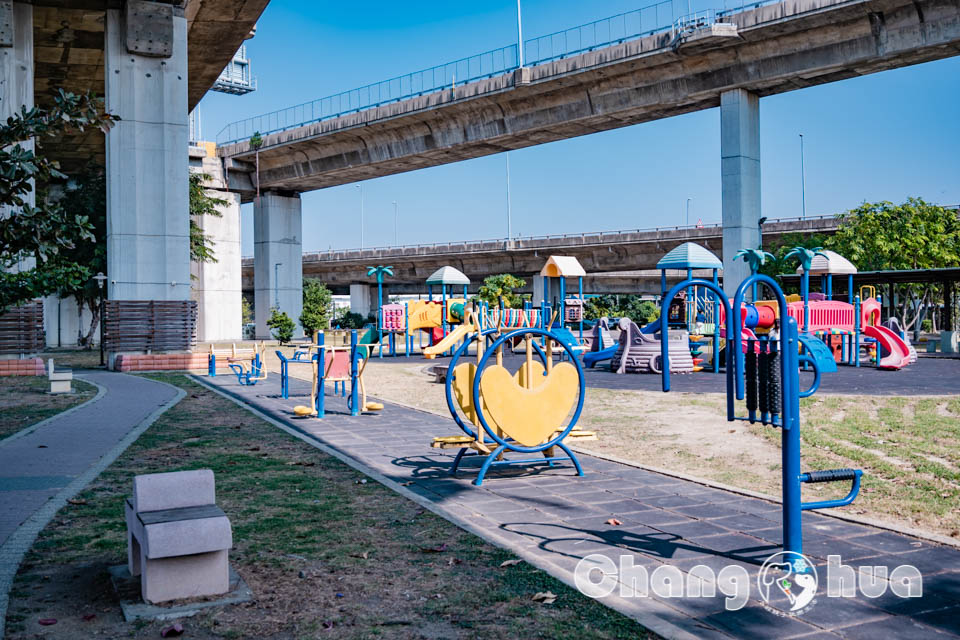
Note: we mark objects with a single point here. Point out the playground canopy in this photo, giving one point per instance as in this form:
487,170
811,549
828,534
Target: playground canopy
690,255
831,263
448,275
563,267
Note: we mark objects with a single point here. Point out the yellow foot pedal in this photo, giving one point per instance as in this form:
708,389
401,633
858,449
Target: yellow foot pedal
446,442
304,412
373,406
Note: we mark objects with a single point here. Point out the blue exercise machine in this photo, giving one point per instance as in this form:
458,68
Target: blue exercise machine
767,374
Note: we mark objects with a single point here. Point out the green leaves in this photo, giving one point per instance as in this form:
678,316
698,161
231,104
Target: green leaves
282,325
502,285
317,305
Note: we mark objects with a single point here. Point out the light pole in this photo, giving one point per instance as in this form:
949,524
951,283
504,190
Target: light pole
803,181
100,278
519,35
396,227
276,285
509,212
760,240
360,186
688,211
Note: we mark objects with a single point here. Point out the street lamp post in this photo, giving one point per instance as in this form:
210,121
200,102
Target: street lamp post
276,285
360,186
396,227
100,278
803,181
519,35
688,211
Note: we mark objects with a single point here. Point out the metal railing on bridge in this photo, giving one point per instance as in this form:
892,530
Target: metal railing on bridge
655,18
520,242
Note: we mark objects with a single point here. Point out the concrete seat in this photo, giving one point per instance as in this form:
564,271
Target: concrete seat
177,538
60,380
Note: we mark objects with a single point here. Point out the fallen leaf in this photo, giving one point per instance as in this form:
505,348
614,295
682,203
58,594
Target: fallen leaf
438,549
732,431
406,484
254,449
545,597
327,625
89,617
41,446
510,563
171,631
46,622
363,555
77,501
453,561
613,522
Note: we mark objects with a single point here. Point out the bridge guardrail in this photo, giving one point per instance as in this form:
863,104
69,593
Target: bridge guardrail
601,237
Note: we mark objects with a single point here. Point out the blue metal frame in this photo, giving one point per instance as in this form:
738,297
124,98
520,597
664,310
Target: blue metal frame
506,444
790,361
248,378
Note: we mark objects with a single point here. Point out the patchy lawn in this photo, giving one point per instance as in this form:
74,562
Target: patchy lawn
25,401
325,553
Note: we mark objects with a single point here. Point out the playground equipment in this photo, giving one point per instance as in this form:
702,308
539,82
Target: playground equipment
602,346
769,371
336,363
570,309
246,363
639,351
503,413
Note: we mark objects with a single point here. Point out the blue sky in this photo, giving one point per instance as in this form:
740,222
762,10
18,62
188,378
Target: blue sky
885,136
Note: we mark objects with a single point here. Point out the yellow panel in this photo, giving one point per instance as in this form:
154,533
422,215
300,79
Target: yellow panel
529,416
423,314
536,369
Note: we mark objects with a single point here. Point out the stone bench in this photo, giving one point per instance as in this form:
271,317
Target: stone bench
177,537
60,381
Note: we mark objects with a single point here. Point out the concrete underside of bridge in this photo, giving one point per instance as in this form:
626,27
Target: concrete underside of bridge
133,53
777,48
614,262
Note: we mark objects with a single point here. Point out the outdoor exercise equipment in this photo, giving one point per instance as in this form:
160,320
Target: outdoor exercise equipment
339,364
502,412
246,363
767,374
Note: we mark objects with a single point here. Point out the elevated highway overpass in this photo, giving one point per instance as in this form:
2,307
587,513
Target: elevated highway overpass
615,261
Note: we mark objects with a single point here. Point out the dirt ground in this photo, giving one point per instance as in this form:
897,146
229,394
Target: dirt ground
908,447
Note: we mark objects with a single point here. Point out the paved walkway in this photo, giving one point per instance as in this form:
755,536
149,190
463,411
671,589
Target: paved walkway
556,518
36,466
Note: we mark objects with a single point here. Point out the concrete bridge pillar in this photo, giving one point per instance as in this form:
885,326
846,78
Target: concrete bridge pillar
16,81
277,259
217,285
148,226
363,299
740,179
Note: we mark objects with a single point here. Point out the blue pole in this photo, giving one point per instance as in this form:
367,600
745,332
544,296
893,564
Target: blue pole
582,304
856,330
563,301
663,283
850,288
321,369
354,382
790,456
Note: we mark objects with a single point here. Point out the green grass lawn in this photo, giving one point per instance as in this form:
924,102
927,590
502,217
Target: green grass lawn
324,552
24,400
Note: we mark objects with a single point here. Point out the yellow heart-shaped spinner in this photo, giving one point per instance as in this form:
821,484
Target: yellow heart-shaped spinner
529,416
463,375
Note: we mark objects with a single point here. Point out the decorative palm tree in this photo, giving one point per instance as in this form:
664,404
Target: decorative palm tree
805,257
380,272
756,258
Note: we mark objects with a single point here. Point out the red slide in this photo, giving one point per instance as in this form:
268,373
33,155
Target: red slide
898,353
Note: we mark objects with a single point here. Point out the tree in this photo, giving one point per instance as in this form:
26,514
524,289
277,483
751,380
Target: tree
621,306
282,325
40,232
246,311
202,204
317,302
912,235
256,141
501,286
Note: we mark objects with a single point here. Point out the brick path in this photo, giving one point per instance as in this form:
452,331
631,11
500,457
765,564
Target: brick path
556,518
35,467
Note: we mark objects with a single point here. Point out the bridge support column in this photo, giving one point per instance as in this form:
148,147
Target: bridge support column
16,83
148,222
277,259
363,299
740,179
217,285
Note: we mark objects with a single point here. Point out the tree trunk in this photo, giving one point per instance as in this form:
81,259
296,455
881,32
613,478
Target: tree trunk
94,307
